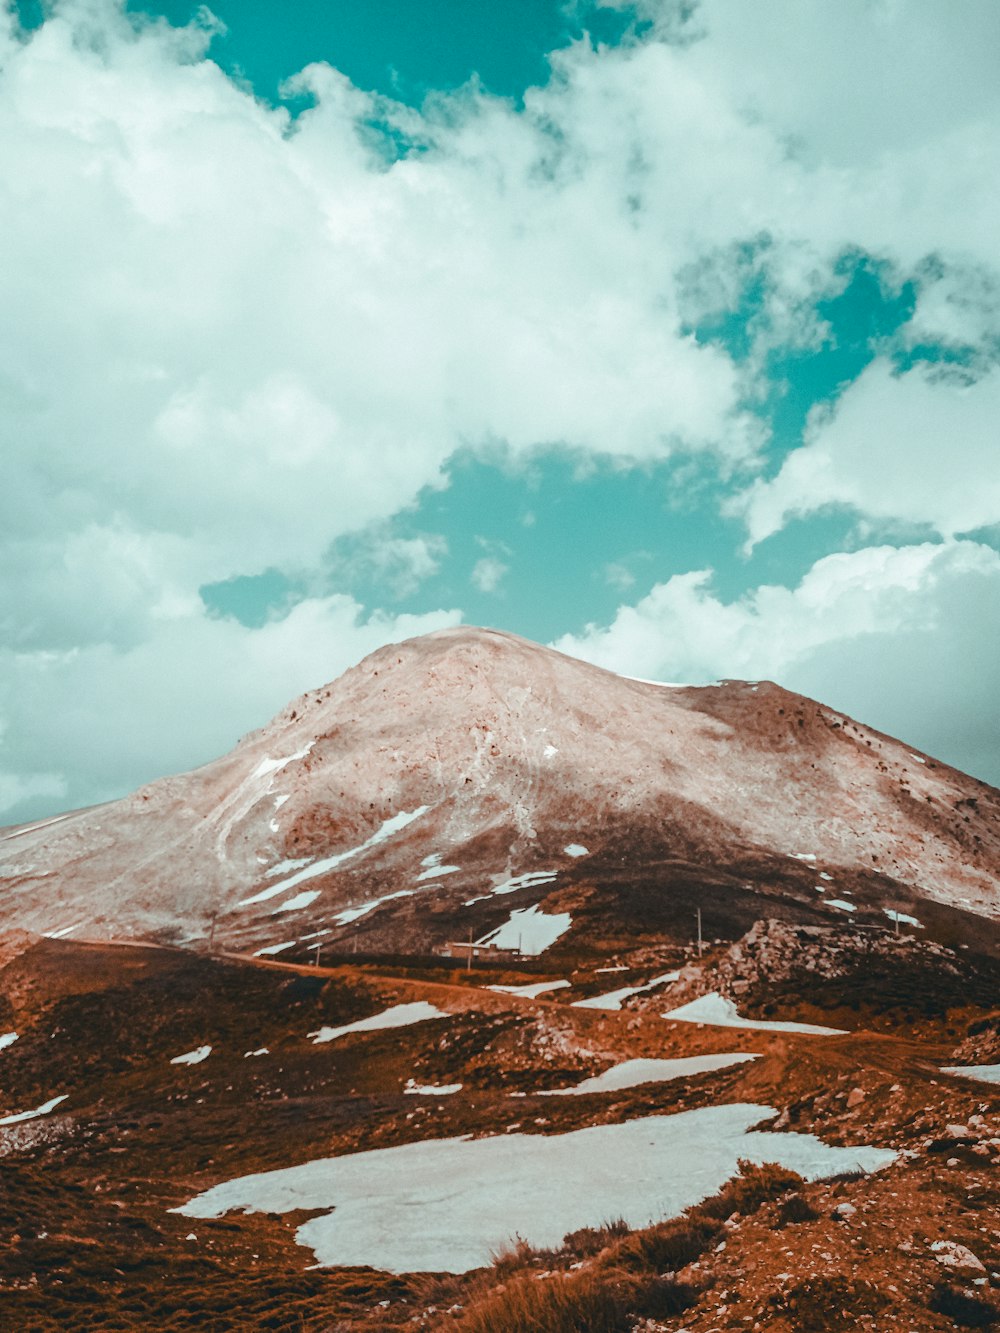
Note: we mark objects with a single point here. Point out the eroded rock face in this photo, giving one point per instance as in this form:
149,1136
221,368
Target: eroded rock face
778,963
501,755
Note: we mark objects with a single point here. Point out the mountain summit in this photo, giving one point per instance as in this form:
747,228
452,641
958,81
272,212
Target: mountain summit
470,784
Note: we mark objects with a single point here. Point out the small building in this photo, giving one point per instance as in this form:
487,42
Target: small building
479,950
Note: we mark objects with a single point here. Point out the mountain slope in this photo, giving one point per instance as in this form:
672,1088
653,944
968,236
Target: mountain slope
393,808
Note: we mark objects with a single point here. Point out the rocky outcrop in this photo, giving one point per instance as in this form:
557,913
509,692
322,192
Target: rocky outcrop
830,966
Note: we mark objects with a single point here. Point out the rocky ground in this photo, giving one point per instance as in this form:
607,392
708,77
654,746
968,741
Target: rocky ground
87,1240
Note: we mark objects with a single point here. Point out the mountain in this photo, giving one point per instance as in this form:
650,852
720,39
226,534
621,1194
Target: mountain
469,782
794,1128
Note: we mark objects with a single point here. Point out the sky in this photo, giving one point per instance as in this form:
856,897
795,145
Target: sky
667,333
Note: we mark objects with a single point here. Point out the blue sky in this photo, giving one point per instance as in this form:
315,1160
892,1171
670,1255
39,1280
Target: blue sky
667,333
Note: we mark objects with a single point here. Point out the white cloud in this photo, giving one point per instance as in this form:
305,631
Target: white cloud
860,79
225,339
912,447
399,564
232,338
488,573
906,639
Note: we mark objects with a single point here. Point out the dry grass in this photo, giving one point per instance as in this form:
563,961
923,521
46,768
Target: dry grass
616,1275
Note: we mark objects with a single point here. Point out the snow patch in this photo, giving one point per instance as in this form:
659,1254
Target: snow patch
632,1073
529,930
261,1050
613,999
448,1205
576,849
7,1039
530,992
386,830
283,867
717,1011
982,1073
298,902
192,1057
550,752
434,872
902,918
399,1016
269,766
274,948
44,1109
842,904
531,879
431,1089
61,934
672,684
350,914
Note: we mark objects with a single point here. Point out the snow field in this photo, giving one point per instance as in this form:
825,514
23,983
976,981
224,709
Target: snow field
446,1205
529,930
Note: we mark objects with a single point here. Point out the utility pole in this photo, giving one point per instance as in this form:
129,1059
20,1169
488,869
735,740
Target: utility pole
895,917
468,956
317,947
700,942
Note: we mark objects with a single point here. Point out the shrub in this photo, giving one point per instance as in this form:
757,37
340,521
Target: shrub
828,1304
584,1302
589,1241
796,1208
755,1185
669,1246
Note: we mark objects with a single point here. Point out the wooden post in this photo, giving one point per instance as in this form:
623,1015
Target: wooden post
468,956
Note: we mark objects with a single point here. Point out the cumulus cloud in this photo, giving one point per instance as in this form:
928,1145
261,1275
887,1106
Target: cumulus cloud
921,448
906,639
488,573
237,336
